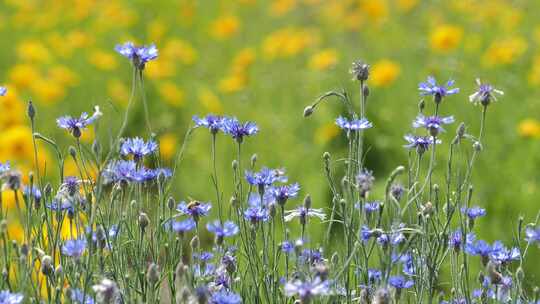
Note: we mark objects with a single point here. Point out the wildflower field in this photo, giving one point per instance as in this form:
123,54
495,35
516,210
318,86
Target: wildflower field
285,151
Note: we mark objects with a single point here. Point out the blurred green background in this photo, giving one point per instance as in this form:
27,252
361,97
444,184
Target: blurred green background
265,61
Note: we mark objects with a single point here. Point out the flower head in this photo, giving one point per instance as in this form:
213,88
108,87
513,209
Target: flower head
32,192
455,240
184,226
399,282
306,290
532,235
365,180
353,124
138,147
421,143
473,212
238,130
370,207
285,192
139,55
257,211
432,123
214,123
3,91
74,248
265,177
303,213
359,70
484,94
6,297
430,87
502,255
5,167
127,171
195,208
75,125
77,296
225,297
227,229
106,291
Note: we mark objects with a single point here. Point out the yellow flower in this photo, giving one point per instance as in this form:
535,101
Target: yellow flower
47,91
325,133
288,42
504,51
323,60
225,27
16,144
244,59
171,94
156,30
233,83
103,60
445,37
376,10
406,5
63,75
529,128
34,51
23,75
210,101
118,91
9,203
281,7
384,72
88,135
167,145
180,50
15,232
160,69
13,110
534,74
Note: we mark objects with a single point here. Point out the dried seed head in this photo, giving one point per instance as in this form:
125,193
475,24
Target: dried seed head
47,265
152,274
360,70
143,220
308,111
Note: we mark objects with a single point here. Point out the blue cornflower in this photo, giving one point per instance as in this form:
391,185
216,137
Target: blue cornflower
6,297
225,297
3,91
126,171
287,247
484,94
238,130
195,209
163,172
364,181
74,248
432,123
227,229
77,296
399,282
229,261
139,55
374,275
421,143
532,235
60,205
478,248
204,257
34,192
265,177
366,233
184,226
138,147
214,123
256,213
408,264
75,125
473,212
502,255
353,124
437,91
307,290
5,167
371,207
71,185
455,240
283,193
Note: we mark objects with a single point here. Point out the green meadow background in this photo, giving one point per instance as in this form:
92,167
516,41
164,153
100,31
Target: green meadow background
265,61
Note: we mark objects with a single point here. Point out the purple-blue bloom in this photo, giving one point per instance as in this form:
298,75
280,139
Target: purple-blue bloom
184,226
225,297
5,167
532,235
75,125
256,212
502,255
432,123
77,296
195,209
60,205
265,177
227,229
238,130
353,124
3,91
126,171
7,297
455,240
399,282
283,193
287,247
421,143
138,147
214,123
430,87
139,55
306,290
32,192
473,212
371,207
484,94
74,248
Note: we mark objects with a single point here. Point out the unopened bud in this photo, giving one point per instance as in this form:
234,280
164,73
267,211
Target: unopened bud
308,111
143,220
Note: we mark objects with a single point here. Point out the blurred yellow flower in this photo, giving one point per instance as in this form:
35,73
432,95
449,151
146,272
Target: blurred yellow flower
210,101
288,42
376,10
225,27
118,91
167,145
103,60
325,133
160,69
33,51
233,83
445,37
171,94
9,203
16,144
504,51
47,91
156,30
323,60
384,72
63,75
180,50
281,7
23,75
534,73
244,59
406,5
13,110
529,128
88,135
15,231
